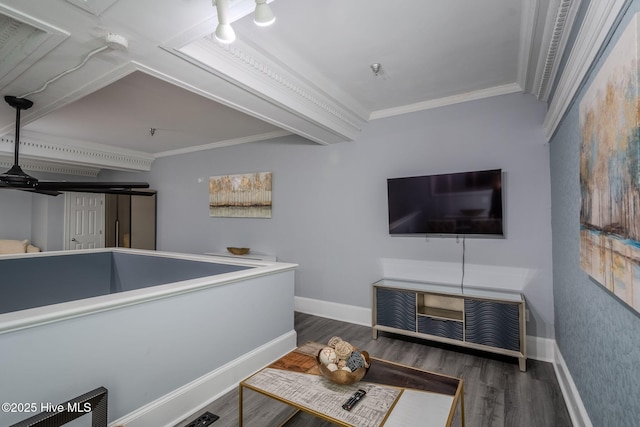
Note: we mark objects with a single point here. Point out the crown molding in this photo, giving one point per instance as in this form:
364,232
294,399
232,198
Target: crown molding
450,100
219,144
6,162
72,153
595,27
528,19
562,13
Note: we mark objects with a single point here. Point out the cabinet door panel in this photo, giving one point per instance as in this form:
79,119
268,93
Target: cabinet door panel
396,309
492,323
440,327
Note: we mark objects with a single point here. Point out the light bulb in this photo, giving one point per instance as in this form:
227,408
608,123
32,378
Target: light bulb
225,34
264,15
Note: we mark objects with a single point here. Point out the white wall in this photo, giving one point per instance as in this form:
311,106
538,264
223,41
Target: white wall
330,207
35,217
15,215
47,222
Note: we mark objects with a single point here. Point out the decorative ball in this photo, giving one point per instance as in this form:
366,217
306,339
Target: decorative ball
328,355
342,363
343,349
355,361
332,367
346,368
333,341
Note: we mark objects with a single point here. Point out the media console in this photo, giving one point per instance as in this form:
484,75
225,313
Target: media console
487,320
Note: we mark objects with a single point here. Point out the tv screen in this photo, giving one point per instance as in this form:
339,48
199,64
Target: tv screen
455,204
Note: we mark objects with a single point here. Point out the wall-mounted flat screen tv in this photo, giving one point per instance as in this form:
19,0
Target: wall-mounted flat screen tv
452,204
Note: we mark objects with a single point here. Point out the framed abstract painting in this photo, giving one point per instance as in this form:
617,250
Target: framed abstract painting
240,196
610,172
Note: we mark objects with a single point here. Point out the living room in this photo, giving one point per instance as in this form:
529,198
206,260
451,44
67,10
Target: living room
330,218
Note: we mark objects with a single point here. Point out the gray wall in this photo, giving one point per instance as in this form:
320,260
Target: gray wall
130,271
45,280
597,334
330,206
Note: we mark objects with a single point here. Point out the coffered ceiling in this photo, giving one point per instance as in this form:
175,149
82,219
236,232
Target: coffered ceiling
175,89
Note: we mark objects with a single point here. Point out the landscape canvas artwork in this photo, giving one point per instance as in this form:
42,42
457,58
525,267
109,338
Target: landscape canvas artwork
610,173
240,196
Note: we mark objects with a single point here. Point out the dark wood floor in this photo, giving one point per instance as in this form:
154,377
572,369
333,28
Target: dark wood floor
496,394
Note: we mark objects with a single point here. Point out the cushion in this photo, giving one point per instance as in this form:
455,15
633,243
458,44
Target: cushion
13,246
31,248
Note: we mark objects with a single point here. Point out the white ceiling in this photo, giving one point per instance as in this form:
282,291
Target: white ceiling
307,74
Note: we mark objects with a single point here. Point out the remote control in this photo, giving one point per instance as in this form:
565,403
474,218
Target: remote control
355,398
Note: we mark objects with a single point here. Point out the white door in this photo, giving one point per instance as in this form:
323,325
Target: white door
84,219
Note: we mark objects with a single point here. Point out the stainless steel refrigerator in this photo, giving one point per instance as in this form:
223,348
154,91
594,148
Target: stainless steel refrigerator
130,221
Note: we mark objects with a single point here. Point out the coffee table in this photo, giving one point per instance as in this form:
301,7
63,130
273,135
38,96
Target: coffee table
397,395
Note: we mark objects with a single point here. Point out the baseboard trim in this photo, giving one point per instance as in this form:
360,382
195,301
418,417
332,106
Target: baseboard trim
577,411
192,397
541,349
334,310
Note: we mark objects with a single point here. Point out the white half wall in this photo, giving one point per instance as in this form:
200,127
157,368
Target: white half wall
183,402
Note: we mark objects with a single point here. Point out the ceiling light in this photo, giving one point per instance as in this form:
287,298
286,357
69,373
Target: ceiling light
264,15
224,32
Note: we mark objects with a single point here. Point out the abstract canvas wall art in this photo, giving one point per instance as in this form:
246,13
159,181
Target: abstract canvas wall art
240,196
610,172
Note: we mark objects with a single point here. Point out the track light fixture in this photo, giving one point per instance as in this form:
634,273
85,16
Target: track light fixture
224,32
263,16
